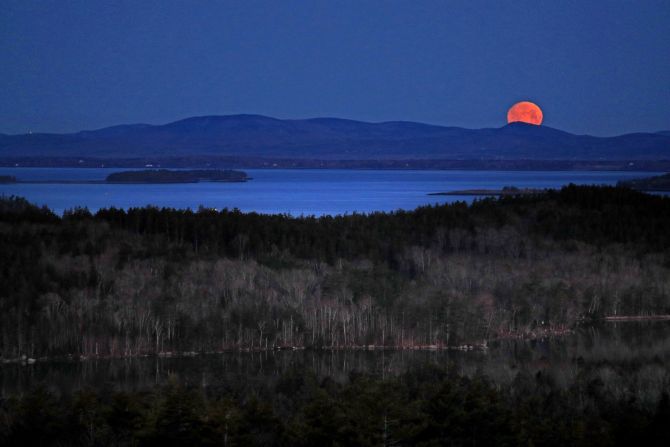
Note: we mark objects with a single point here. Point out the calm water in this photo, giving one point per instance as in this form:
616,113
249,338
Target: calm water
626,356
308,192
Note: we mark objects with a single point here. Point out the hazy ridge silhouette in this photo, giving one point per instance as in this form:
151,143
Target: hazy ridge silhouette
334,139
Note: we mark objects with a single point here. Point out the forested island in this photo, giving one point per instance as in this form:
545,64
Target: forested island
166,282
150,176
657,183
172,176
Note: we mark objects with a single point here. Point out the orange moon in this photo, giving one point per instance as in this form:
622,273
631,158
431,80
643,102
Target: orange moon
525,112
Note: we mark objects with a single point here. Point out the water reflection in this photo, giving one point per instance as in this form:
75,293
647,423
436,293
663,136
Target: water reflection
627,357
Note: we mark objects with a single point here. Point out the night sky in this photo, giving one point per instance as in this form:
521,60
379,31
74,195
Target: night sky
597,67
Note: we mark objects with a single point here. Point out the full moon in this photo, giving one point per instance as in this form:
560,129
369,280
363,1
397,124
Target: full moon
525,112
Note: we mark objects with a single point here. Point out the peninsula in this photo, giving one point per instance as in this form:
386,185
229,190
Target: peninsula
657,183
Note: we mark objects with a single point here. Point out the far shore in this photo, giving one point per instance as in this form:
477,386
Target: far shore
147,176
242,162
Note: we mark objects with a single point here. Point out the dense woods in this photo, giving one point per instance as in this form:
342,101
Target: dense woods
158,281
423,407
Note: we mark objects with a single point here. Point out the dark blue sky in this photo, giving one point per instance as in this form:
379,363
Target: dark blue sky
598,67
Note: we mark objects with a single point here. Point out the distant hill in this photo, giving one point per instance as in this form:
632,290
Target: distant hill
334,139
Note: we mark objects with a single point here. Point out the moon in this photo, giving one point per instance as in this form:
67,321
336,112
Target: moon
525,112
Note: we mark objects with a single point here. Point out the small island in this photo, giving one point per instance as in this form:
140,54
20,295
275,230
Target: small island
7,179
506,191
170,176
657,183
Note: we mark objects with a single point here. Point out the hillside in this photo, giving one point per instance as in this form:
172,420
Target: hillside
333,139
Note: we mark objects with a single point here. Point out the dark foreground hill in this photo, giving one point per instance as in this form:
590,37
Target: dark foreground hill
333,139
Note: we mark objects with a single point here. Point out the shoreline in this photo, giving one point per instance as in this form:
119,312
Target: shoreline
479,346
25,360
618,318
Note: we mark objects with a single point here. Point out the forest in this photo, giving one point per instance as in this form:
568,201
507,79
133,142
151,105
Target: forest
151,281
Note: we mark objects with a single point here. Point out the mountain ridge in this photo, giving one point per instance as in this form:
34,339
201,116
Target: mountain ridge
333,138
